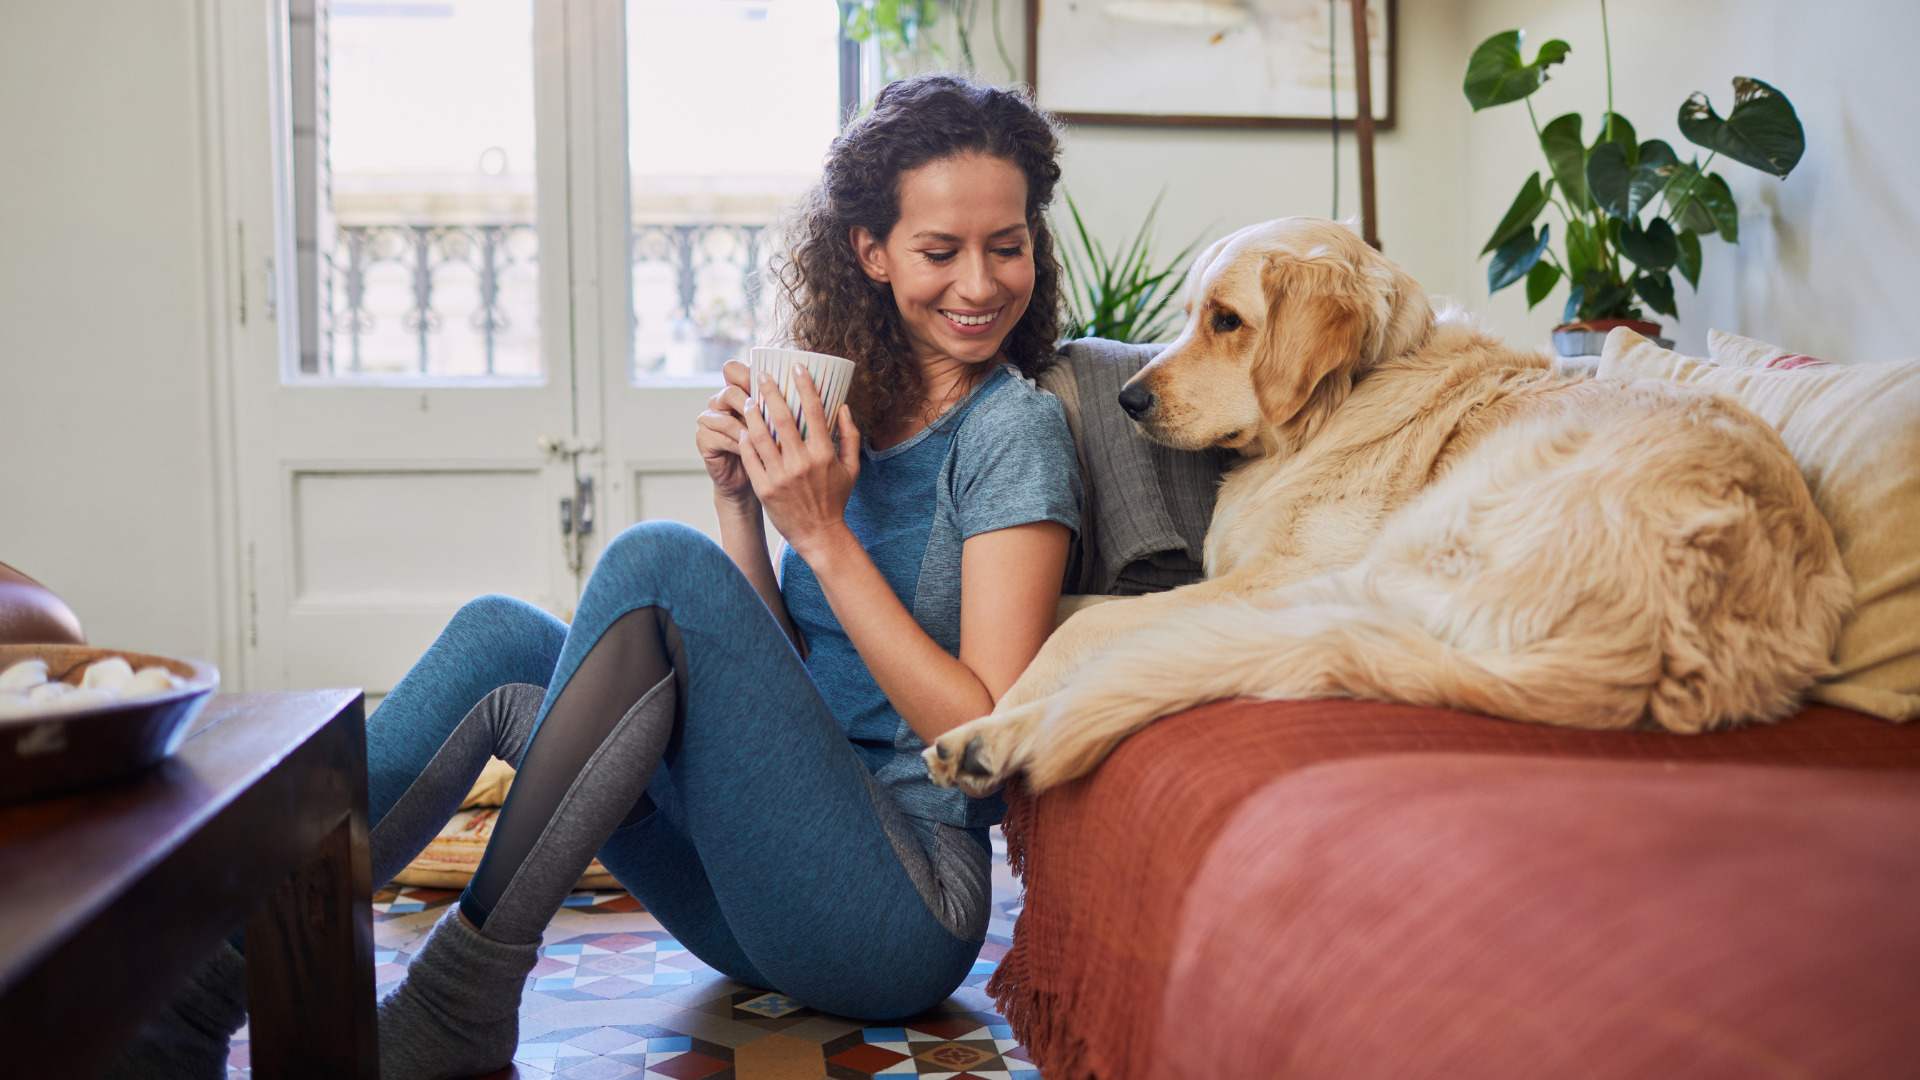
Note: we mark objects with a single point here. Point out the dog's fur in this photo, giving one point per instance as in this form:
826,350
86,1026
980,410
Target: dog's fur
1428,516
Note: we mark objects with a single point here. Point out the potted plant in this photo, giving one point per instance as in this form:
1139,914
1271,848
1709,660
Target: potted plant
1613,261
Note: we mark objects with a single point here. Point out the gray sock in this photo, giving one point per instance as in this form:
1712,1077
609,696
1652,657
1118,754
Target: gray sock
458,1012
189,1040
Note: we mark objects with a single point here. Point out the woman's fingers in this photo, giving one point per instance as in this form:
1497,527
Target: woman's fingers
735,373
722,430
811,407
750,460
780,417
760,438
849,441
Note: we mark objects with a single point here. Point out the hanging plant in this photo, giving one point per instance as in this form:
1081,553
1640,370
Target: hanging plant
1612,260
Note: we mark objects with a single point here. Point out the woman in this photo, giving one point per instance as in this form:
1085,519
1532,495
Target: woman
740,750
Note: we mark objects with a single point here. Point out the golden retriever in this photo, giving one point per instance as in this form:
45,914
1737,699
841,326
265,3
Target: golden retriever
1425,515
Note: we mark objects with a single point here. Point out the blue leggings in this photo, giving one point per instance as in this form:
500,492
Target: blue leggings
763,843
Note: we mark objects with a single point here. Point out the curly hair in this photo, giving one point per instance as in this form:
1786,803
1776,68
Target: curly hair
829,304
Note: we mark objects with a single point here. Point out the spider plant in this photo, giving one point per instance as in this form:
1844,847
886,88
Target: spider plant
1122,295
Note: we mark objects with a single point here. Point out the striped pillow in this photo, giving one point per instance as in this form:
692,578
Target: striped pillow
1732,350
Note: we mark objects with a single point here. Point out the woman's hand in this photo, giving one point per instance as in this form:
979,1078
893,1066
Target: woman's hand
804,484
719,431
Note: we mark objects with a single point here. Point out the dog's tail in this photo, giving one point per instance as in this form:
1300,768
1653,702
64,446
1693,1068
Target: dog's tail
1325,650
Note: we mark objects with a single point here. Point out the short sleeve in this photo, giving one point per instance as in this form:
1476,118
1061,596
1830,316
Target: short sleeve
1015,463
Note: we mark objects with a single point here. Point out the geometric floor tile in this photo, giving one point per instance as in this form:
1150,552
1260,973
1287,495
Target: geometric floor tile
615,997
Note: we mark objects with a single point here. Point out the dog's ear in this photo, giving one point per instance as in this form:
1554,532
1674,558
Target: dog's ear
1305,361
1402,314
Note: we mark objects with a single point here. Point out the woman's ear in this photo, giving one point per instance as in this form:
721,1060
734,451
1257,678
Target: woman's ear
871,253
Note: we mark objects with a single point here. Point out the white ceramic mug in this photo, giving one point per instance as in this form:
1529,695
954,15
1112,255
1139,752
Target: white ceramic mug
832,376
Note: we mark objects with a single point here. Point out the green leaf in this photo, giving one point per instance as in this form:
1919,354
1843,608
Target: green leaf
1761,131
1683,199
1497,74
1515,257
1576,299
1653,248
1689,261
1621,132
1623,188
1567,156
1540,281
1527,205
1714,194
1583,252
1657,291
1605,299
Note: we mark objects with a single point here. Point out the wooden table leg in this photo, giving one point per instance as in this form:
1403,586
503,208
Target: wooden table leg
310,969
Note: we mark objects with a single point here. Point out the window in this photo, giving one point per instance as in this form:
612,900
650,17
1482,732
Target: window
414,197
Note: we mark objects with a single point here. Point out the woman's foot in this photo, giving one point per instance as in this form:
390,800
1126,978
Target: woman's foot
457,1014
189,1039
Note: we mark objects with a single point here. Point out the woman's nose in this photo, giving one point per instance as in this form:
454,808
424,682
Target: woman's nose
976,281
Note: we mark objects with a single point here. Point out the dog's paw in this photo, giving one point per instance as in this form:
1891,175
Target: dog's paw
979,756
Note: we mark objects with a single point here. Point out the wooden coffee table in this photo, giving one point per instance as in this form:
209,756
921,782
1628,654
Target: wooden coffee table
110,899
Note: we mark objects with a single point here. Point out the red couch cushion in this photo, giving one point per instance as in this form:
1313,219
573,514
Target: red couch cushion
1107,859
1440,916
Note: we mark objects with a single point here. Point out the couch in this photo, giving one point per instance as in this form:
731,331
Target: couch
1358,889
1349,889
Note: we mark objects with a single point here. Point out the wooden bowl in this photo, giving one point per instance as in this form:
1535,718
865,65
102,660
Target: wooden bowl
59,752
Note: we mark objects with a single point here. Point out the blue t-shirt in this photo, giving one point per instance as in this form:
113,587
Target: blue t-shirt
1000,458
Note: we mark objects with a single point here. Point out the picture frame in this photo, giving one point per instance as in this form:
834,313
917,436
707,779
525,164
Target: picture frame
1198,63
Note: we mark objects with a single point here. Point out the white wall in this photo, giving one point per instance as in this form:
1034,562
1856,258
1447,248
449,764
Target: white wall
1218,180
1828,258
106,462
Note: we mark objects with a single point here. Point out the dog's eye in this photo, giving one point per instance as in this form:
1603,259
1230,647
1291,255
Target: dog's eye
1225,322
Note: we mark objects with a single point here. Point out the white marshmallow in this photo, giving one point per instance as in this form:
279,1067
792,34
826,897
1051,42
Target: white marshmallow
49,691
14,703
85,698
112,673
151,680
24,675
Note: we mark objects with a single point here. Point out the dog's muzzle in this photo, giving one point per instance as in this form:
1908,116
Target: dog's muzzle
1136,399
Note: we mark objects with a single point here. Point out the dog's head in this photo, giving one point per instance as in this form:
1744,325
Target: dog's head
1281,318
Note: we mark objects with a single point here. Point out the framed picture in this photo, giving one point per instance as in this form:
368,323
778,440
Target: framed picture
1206,63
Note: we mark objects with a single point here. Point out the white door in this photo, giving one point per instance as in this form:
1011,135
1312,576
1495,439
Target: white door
728,111
470,340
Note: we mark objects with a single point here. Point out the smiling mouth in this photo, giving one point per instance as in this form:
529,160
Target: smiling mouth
971,319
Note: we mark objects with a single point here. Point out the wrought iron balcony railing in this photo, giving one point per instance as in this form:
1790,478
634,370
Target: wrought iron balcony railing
463,300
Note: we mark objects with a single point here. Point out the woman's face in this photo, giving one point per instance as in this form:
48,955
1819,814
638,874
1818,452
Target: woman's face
960,259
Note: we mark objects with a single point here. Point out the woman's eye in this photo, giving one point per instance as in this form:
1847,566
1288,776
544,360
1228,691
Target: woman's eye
939,256
1010,252
1225,322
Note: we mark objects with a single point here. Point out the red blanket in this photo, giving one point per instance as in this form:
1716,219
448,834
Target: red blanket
1107,859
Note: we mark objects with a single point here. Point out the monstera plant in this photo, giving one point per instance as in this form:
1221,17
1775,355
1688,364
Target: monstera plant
1632,213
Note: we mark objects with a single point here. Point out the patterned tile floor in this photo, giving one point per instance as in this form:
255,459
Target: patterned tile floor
614,995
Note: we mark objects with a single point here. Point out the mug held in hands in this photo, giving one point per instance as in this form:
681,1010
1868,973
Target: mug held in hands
832,376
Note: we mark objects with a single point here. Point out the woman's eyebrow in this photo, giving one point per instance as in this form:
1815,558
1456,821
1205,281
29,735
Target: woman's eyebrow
952,239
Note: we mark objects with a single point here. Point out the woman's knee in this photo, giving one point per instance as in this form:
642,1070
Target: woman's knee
659,556
494,611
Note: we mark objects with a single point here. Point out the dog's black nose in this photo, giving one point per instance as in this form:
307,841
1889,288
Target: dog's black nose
1136,399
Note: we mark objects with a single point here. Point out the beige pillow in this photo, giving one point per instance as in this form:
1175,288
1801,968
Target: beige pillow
1732,350
1855,431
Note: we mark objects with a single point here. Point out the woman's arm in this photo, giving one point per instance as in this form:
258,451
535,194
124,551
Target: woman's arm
742,534
1010,578
1009,590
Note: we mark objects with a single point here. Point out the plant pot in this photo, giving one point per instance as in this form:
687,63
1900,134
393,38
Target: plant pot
1589,338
